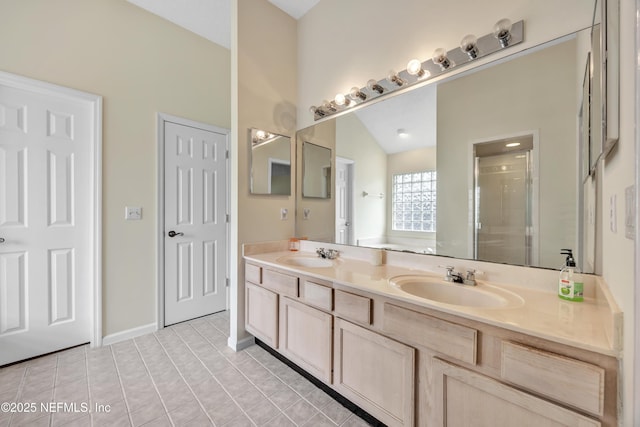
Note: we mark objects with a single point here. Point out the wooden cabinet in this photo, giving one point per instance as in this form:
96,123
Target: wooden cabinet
305,337
467,398
261,313
374,372
410,365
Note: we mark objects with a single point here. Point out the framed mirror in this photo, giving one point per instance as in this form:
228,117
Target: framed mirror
270,158
316,171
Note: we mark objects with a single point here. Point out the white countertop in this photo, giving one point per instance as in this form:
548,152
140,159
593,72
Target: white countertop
543,314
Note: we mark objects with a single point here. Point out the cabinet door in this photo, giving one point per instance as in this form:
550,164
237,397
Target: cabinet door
374,372
465,398
305,337
261,313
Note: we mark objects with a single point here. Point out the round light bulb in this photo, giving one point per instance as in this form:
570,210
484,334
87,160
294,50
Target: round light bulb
260,134
502,31
340,99
373,86
440,58
414,67
355,93
313,109
469,45
328,106
393,77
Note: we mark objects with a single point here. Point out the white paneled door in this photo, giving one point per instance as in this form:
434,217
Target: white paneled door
195,232
46,229
344,211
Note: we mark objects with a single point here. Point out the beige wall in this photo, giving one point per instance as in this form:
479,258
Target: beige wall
265,95
141,65
533,93
354,142
328,65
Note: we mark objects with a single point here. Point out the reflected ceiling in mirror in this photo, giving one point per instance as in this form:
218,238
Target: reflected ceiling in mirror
532,96
270,163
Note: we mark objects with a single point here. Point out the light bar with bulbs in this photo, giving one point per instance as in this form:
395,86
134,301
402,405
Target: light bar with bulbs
504,35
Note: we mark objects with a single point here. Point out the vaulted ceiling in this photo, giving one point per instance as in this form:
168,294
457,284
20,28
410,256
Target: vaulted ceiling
211,19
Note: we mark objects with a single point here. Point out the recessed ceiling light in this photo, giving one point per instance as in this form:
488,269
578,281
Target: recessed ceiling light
402,133
512,144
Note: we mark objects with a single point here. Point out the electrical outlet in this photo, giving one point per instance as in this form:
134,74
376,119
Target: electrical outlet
132,213
284,214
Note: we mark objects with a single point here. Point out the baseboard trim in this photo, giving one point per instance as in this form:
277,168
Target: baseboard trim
129,333
241,344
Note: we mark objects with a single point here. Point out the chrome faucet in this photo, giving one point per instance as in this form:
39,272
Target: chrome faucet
471,277
454,277
327,253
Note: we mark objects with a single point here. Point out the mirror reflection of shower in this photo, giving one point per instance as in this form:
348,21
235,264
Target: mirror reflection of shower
504,201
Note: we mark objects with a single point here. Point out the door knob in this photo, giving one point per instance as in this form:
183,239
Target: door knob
174,234
1,239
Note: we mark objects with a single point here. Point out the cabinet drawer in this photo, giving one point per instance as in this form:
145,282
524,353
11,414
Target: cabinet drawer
447,338
352,307
561,378
318,295
253,273
281,283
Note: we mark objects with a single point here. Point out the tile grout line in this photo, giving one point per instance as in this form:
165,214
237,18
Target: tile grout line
185,381
86,368
250,381
124,393
155,386
301,396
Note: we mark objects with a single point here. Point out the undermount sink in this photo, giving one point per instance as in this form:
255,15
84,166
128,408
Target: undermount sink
306,261
434,289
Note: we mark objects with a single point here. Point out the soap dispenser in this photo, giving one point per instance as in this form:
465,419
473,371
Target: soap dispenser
568,287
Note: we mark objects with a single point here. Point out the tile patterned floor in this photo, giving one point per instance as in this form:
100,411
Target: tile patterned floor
184,375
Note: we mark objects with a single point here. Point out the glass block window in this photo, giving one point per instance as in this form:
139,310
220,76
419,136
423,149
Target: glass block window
414,201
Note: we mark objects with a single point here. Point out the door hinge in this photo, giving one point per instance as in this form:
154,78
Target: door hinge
226,154
228,218
228,282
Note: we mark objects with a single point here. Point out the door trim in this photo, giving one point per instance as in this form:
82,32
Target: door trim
535,191
162,118
95,172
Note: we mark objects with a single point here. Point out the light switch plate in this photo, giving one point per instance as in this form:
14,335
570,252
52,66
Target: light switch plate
284,214
305,213
132,213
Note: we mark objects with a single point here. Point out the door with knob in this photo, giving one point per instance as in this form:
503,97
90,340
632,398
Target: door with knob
195,240
47,264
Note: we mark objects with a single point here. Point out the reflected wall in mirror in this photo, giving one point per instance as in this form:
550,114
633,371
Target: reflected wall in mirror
316,171
532,98
270,163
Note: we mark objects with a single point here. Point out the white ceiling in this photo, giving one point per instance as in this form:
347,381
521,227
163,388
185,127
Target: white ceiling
211,19
413,111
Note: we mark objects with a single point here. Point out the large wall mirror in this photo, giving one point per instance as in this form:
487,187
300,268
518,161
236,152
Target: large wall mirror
486,164
270,163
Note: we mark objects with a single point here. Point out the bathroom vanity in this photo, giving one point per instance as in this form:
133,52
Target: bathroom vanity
498,354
